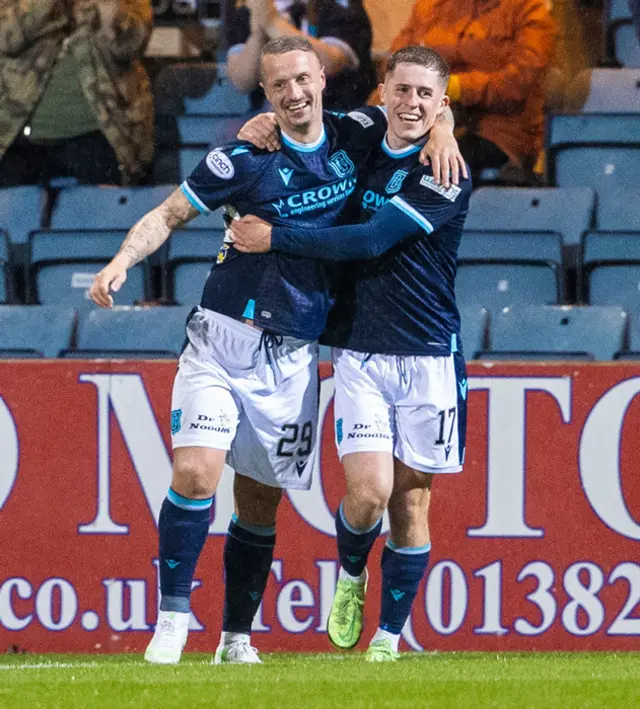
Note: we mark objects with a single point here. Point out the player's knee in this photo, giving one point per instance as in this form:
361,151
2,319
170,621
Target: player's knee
193,478
368,504
411,507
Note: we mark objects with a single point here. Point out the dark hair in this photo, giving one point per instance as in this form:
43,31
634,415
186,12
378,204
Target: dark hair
422,56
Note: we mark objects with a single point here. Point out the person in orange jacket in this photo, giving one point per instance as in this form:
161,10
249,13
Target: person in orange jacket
499,51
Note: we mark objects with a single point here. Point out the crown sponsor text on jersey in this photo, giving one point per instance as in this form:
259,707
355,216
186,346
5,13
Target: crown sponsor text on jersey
220,165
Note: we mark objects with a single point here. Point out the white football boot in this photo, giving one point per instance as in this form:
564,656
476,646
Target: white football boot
238,651
169,638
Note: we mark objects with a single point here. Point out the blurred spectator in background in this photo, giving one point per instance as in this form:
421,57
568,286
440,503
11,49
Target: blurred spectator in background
75,99
499,51
387,18
339,31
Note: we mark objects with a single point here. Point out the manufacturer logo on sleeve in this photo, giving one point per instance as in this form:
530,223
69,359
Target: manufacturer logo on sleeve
362,118
450,193
220,165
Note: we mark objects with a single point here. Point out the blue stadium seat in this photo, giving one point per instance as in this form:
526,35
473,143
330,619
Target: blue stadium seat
525,266
201,88
223,99
598,145
616,10
611,266
617,212
189,158
157,332
35,330
565,211
190,256
63,265
21,212
199,133
208,130
474,330
6,279
606,168
88,207
558,332
625,44
606,91
634,339
496,287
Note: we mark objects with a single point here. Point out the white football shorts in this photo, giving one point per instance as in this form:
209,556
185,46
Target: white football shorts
412,407
251,393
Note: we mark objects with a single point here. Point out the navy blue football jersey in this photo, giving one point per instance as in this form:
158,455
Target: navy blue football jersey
404,302
401,299
300,186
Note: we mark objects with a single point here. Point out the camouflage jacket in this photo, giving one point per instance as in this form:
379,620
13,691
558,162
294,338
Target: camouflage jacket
32,34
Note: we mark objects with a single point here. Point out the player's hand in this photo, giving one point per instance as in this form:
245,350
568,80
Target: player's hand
442,153
262,131
251,235
258,15
110,278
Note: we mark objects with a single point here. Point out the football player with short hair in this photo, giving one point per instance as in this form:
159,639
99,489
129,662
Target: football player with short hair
400,403
246,385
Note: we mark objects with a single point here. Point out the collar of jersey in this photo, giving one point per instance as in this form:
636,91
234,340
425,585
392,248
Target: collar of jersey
403,152
304,147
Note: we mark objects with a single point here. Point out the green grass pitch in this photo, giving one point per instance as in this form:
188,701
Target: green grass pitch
288,681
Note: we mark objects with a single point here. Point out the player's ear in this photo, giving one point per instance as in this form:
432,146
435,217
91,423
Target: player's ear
323,78
444,102
382,92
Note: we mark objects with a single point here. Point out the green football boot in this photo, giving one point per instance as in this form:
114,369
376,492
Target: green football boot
381,651
345,620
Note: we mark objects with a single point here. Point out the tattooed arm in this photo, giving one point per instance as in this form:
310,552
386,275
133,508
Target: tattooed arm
145,237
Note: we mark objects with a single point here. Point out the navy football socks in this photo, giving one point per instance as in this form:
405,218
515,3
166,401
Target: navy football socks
248,553
183,527
402,571
354,545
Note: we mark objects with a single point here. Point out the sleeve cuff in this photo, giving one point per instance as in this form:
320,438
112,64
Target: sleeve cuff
194,199
412,213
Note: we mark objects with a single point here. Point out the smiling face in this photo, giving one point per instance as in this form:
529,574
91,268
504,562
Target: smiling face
293,83
414,96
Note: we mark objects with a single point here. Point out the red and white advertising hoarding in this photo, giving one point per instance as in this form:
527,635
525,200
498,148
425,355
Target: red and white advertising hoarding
535,545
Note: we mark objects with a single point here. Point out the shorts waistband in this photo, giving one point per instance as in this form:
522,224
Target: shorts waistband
239,326
250,332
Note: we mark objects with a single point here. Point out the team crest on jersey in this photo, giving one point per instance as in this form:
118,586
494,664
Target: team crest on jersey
220,165
449,193
395,183
222,254
341,164
176,420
